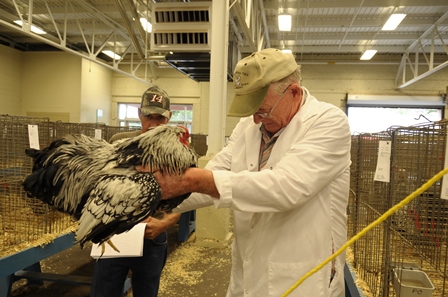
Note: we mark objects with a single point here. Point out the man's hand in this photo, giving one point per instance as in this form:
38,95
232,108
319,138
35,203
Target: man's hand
191,180
171,184
155,227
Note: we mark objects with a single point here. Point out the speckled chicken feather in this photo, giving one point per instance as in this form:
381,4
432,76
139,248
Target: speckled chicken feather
97,182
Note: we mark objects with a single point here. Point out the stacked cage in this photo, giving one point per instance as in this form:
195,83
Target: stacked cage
94,130
24,222
370,200
406,254
60,129
112,130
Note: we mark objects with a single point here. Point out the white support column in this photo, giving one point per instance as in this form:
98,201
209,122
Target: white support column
213,225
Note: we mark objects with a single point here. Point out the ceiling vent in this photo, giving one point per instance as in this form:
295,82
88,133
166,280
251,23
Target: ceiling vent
197,65
182,27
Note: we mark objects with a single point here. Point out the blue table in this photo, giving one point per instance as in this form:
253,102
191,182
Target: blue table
187,224
29,261
26,264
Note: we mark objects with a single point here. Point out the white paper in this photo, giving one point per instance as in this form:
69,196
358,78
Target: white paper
130,244
382,172
97,133
33,136
444,191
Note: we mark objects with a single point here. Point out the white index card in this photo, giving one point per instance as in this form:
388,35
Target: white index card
33,136
382,172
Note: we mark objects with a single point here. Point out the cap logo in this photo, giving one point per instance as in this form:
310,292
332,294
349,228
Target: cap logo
238,82
156,98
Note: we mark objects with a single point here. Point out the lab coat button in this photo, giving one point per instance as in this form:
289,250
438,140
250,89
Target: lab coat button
246,292
252,226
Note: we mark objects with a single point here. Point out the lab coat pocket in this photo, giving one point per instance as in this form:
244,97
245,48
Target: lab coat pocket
282,276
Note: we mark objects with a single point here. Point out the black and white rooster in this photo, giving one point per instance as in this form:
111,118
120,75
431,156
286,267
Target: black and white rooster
96,182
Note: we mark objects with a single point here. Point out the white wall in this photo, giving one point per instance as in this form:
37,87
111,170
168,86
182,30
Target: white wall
330,83
51,83
54,83
10,81
96,92
63,82
181,89
327,82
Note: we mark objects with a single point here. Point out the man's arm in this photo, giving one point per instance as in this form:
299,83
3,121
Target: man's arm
192,180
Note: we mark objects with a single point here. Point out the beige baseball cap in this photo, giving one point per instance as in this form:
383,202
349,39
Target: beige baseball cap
252,78
155,101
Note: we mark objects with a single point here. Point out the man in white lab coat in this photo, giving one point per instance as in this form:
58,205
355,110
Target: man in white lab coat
285,174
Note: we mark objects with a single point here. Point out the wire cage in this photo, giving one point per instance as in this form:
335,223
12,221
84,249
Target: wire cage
415,237
95,130
23,220
60,129
370,200
112,130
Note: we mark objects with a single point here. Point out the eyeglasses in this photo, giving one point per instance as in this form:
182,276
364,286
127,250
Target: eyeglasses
269,115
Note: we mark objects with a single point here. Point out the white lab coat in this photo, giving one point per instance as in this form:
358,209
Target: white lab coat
287,216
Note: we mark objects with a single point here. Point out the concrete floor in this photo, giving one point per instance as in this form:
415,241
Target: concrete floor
190,271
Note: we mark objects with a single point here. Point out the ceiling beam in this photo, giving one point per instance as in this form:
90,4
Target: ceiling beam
244,28
333,22
335,49
415,48
57,45
355,4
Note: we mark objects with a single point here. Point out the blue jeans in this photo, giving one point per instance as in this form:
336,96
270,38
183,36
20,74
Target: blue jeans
110,274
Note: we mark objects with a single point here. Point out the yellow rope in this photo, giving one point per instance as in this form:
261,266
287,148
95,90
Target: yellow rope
369,227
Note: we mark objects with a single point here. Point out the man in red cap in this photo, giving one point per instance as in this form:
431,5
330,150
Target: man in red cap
110,274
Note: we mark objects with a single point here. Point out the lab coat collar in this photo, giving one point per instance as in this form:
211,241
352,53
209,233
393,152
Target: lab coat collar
293,131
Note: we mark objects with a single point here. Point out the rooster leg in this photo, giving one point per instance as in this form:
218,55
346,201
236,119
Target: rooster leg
112,245
103,247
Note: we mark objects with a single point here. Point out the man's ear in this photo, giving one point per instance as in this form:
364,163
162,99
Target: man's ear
296,90
171,114
140,116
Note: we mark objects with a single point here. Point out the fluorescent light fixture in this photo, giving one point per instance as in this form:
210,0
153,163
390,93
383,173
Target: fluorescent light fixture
112,54
34,29
146,25
287,51
368,54
393,21
284,22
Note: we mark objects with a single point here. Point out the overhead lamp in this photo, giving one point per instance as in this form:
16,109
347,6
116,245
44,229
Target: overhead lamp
393,21
368,54
33,28
111,54
284,22
147,26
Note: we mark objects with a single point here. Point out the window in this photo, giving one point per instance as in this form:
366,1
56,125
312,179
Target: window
128,115
182,115
376,113
377,119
